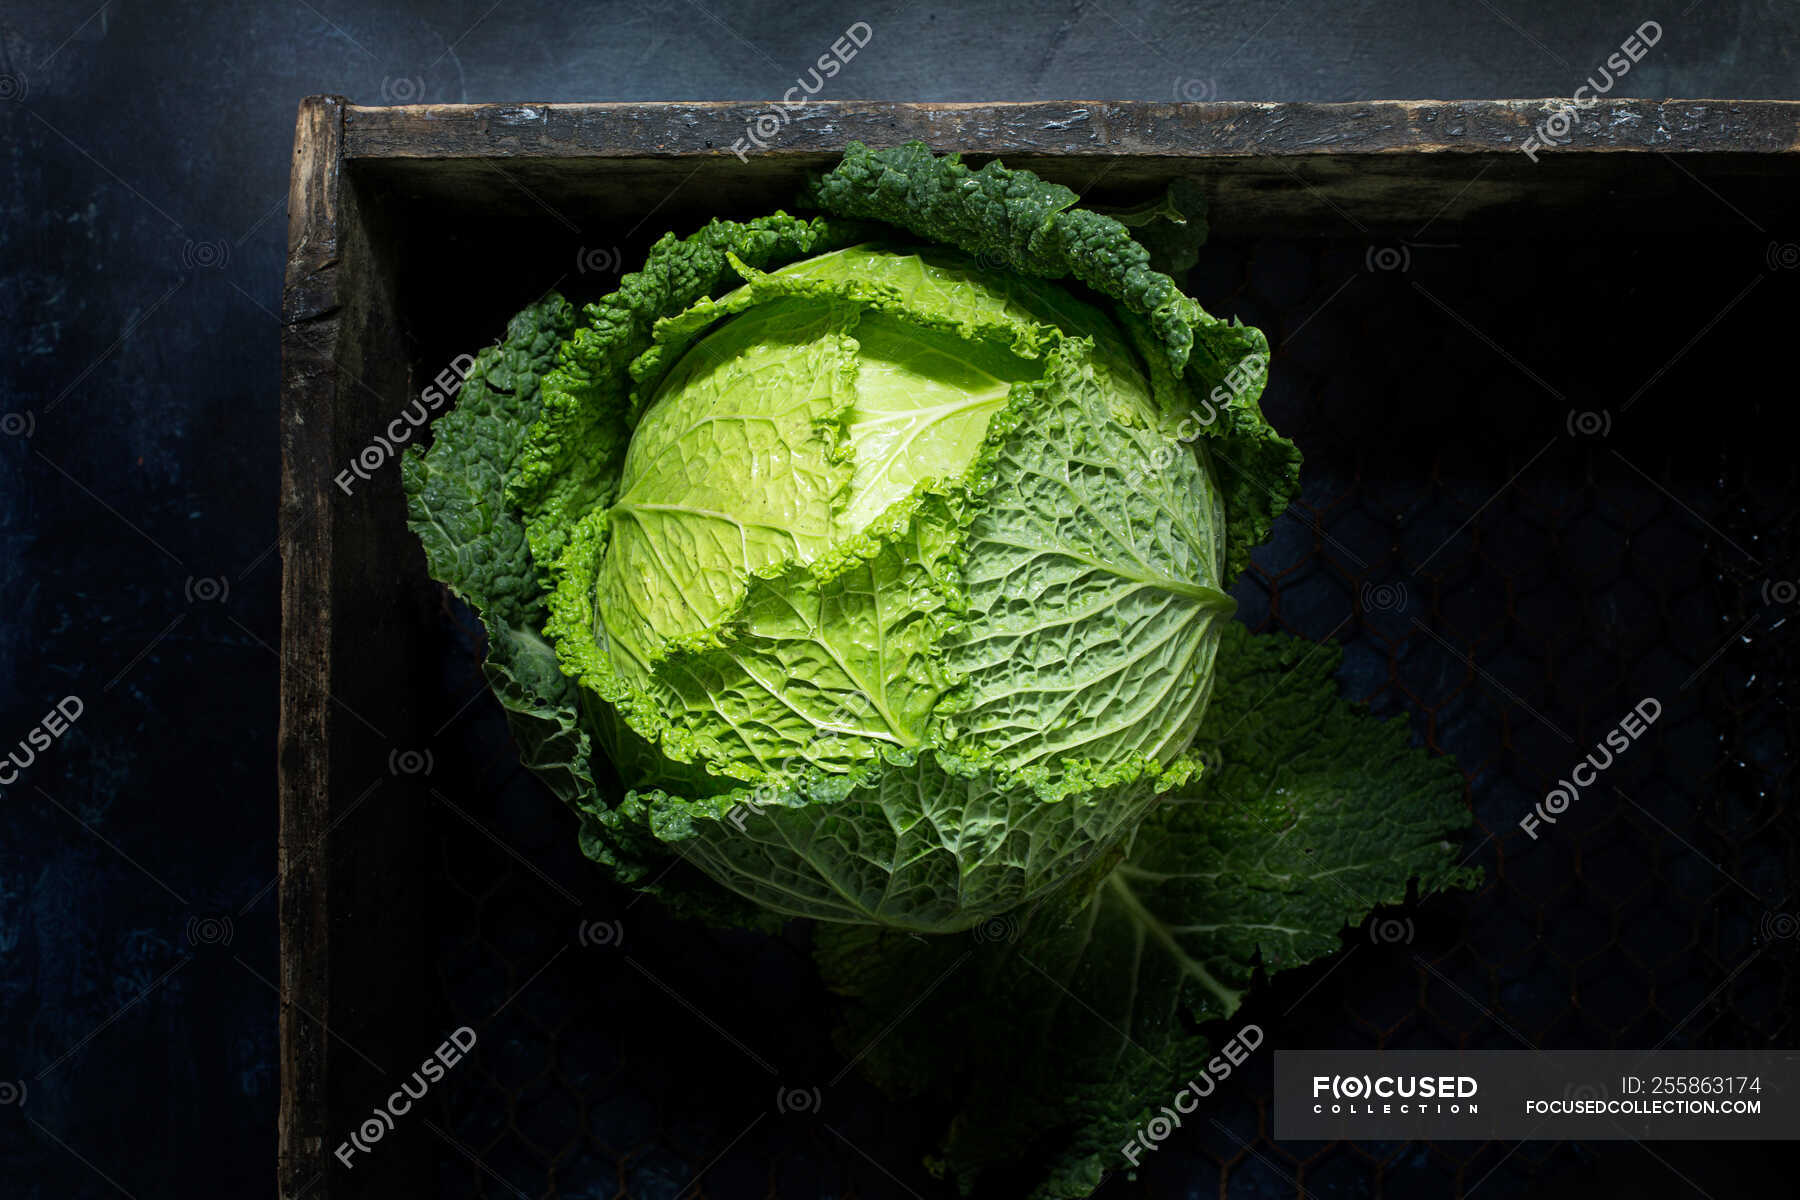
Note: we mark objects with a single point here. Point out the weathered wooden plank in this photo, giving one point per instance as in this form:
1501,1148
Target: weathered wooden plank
353,588
1157,130
1376,168
310,335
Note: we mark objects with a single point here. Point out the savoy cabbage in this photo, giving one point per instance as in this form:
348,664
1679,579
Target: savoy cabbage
872,567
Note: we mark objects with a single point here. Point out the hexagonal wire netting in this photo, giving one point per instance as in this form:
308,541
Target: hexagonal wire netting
1524,512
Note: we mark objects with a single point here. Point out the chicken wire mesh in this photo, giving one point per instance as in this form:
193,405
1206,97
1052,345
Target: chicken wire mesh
1542,483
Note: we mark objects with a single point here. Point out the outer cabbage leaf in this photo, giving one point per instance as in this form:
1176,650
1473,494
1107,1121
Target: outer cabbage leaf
475,544
1094,605
922,840
1172,227
821,665
1017,220
1011,219
1059,1031
570,462
736,471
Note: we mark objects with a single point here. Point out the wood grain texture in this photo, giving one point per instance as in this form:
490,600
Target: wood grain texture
1372,168
352,665
1224,129
310,332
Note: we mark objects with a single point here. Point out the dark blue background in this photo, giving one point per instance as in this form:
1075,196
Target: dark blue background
142,228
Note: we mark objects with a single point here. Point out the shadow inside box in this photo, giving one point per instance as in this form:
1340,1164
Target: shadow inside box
1543,484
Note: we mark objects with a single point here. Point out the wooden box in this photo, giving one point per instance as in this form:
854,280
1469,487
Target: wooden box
1448,298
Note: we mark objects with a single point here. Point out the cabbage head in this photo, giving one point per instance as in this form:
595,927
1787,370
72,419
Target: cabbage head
867,566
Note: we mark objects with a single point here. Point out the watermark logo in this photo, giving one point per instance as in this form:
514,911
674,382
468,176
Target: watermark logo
13,87
207,589
1783,256
400,430
1195,91
205,256
1384,259
18,424
1003,928
750,806
403,89
763,128
599,260
1383,597
1618,740
1246,377
1558,128
410,762
1391,931
1219,1068
382,1120
1589,424
990,259
1780,926
604,934
12,1092
1587,1093
1211,757
1780,591
1346,1090
791,1101
855,707
210,931
40,737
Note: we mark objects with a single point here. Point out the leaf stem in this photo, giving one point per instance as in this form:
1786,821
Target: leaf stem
1230,998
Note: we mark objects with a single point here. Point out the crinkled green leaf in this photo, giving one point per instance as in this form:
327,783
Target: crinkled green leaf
736,470
1094,605
570,464
1172,227
823,665
475,544
1053,1034
1010,219
922,840
1014,219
